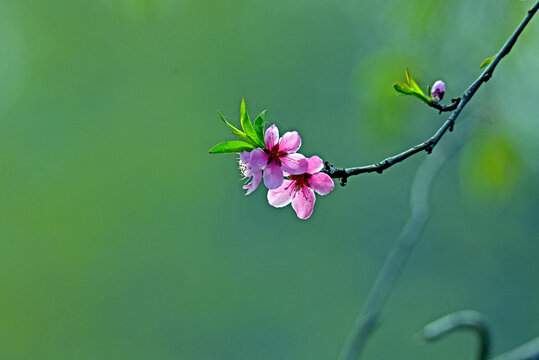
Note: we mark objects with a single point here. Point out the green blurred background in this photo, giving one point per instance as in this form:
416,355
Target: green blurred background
122,238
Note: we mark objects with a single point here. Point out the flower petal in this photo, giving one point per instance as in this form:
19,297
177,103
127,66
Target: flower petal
258,158
283,195
290,142
272,137
303,202
245,156
257,176
321,183
273,176
315,164
294,164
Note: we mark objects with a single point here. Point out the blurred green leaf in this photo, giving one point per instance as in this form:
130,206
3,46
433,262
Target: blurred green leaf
247,126
486,62
260,125
383,123
490,166
231,147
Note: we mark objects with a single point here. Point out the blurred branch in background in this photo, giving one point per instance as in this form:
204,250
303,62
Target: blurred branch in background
466,319
428,145
403,247
469,319
528,351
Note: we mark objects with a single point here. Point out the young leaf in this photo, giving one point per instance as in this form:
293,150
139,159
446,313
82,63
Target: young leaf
413,85
405,89
231,147
260,125
247,126
486,62
402,88
235,131
422,97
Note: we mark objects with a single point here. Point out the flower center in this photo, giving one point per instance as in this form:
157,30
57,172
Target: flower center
300,180
275,155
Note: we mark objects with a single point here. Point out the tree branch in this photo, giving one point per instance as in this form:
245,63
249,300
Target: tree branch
429,144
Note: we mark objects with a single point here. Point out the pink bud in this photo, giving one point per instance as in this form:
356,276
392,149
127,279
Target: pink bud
438,90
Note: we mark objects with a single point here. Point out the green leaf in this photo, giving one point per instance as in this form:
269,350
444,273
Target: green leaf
247,126
260,125
422,97
486,62
236,131
491,166
406,90
231,147
402,88
413,85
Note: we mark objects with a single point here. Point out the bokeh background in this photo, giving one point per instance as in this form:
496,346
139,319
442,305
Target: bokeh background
122,238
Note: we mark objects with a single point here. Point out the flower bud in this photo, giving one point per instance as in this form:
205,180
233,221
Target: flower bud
438,90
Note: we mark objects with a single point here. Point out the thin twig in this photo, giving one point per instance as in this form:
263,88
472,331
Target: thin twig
443,108
403,247
428,145
466,319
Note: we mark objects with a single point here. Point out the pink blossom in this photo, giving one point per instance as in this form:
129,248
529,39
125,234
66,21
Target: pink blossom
280,155
299,190
249,171
438,90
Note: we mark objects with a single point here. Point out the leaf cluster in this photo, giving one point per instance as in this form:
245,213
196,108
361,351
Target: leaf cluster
411,88
251,137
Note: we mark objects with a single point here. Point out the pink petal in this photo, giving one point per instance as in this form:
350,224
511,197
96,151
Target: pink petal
258,158
283,195
273,176
272,137
290,142
321,183
294,164
315,164
257,176
303,202
245,157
